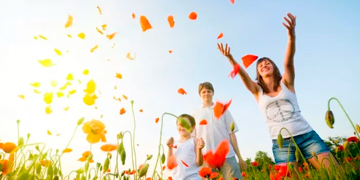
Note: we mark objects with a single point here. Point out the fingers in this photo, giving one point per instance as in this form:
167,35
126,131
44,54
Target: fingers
286,26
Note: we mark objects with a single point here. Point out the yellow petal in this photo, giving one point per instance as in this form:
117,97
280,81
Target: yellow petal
69,35
43,37
99,10
48,132
98,30
53,83
72,92
91,86
129,57
48,97
103,27
46,62
35,37
69,22
58,52
118,75
93,49
59,94
35,84
67,108
21,96
81,35
36,91
48,110
69,77
86,72
89,100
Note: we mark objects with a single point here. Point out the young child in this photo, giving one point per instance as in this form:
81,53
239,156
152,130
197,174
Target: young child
187,151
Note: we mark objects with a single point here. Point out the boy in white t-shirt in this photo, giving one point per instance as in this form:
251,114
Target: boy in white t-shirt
187,150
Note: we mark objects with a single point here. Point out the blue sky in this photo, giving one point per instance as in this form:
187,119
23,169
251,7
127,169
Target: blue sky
326,65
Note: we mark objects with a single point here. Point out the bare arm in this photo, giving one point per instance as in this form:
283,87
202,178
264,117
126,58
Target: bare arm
234,144
249,84
199,144
289,69
170,144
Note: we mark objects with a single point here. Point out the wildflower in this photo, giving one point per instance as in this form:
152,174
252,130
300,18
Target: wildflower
85,156
95,131
255,163
108,147
353,139
8,147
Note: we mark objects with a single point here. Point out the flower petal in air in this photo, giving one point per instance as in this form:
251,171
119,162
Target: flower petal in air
67,150
111,36
193,16
122,111
157,120
86,72
220,109
49,132
81,35
108,147
98,30
99,10
46,62
232,1
171,162
94,48
203,122
58,52
118,75
43,37
181,91
145,24
35,84
133,15
48,97
171,21
104,26
21,96
248,60
186,165
69,22
90,87
125,97
128,55
220,36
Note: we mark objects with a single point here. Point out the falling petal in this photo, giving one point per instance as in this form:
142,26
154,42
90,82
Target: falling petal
133,15
193,16
203,122
104,27
232,1
67,108
141,110
46,62
181,91
49,133
115,87
89,100
220,35
36,91
122,111
118,75
157,120
53,83
48,110
111,36
35,84
57,134
21,96
125,97
69,35
99,10
59,94
72,92
98,30
43,37
129,57
69,77
81,35
220,109
171,21
86,72
69,22
184,163
67,150
170,51
249,59
90,87
145,24
93,49
35,37
48,97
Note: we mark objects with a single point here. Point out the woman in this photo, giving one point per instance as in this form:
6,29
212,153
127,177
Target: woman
276,98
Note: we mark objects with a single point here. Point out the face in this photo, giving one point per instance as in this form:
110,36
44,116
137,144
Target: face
206,94
265,68
183,131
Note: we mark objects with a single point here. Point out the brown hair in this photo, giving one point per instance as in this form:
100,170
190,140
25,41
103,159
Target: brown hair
191,119
206,85
276,72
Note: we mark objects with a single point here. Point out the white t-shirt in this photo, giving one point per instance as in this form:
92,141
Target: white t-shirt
215,131
283,111
185,151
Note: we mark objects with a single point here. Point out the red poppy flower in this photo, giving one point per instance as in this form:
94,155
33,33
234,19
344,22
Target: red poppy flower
353,139
255,163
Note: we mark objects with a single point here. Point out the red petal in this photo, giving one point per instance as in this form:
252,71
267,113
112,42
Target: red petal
193,16
235,71
218,110
248,60
184,163
171,162
203,122
232,1
181,91
220,35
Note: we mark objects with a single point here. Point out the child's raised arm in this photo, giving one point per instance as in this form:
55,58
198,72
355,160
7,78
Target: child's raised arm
199,144
170,144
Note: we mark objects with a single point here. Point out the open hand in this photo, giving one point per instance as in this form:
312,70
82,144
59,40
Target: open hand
200,143
170,142
225,51
290,25
242,165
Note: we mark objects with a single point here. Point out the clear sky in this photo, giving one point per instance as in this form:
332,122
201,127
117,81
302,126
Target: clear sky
326,63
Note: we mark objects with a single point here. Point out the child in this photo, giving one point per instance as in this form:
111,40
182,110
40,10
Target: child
187,151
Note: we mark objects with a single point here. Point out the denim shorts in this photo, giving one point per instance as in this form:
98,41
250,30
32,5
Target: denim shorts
307,143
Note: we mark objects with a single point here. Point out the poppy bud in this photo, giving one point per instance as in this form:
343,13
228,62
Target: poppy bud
297,155
106,164
280,140
149,157
123,157
80,121
163,158
143,170
232,126
329,117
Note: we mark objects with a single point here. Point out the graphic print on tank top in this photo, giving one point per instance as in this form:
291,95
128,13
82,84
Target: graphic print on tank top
280,110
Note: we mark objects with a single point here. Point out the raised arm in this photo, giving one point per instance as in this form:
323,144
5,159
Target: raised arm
289,69
249,84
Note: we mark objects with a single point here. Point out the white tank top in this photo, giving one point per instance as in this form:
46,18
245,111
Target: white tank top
283,111
186,151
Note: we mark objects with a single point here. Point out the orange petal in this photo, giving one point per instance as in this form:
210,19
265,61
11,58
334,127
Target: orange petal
157,120
108,147
111,36
69,22
67,150
129,56
141,110
122,111
220,35
103,27
171,21
193,16
248,60
133,15
125,97
181,91
145,25
203,122
170,51
99,10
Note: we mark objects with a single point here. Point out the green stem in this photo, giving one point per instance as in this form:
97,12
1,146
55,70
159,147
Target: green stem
67,145
333,98
133,139
132,157
161,128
